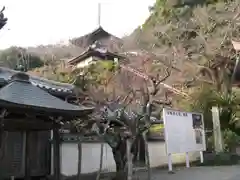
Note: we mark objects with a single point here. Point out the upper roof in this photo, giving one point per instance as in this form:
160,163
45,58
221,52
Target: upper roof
53,87
21,94
89,39
95,51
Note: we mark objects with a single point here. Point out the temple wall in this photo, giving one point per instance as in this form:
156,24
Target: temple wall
91,157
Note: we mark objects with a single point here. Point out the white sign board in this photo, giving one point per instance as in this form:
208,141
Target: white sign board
184,131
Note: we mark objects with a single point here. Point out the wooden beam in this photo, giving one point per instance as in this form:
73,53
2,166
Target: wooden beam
56,153
27,157
25,124
79,160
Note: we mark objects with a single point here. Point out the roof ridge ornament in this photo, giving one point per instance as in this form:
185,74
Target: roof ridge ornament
99,14
96,44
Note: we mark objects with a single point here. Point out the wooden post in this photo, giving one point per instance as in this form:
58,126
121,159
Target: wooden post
217,130
56,153
201,157
79,159
2,114
129,161
27,157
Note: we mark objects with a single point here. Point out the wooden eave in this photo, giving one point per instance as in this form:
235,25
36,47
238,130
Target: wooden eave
93,52
22,96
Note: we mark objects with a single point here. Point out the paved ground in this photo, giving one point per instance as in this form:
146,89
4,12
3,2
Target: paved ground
199,173
193,173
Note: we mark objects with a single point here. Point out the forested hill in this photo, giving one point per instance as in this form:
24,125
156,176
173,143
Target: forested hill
191,26
192,33
196,30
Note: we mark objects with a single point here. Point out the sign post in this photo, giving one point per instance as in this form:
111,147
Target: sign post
170,169
201,156
184,133
187,160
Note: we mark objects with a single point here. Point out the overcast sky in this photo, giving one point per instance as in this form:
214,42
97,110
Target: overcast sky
35,22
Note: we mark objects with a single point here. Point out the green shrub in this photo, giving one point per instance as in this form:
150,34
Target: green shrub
220,159
231,140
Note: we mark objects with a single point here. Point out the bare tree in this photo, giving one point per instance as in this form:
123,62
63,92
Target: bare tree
198,37
118,124
3,19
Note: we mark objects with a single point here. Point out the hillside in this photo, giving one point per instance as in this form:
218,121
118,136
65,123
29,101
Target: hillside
59,51
193,38
189,33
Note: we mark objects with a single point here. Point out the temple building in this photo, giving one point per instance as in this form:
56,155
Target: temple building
93,54
107,40
30,108
99,45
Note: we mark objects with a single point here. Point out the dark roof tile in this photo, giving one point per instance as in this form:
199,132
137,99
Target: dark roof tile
22,94
51,86
89,39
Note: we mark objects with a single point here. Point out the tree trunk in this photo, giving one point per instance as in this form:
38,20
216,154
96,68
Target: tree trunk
120,157
147,156
138,150
129,160
124,160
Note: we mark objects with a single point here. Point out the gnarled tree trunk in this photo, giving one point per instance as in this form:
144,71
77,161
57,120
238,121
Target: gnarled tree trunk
120,157
124,159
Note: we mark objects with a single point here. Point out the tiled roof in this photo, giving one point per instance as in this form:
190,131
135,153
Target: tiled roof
94,50
50,86
89,39
21,94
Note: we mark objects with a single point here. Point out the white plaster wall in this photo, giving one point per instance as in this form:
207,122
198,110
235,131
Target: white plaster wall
91,157
158,157
85,63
